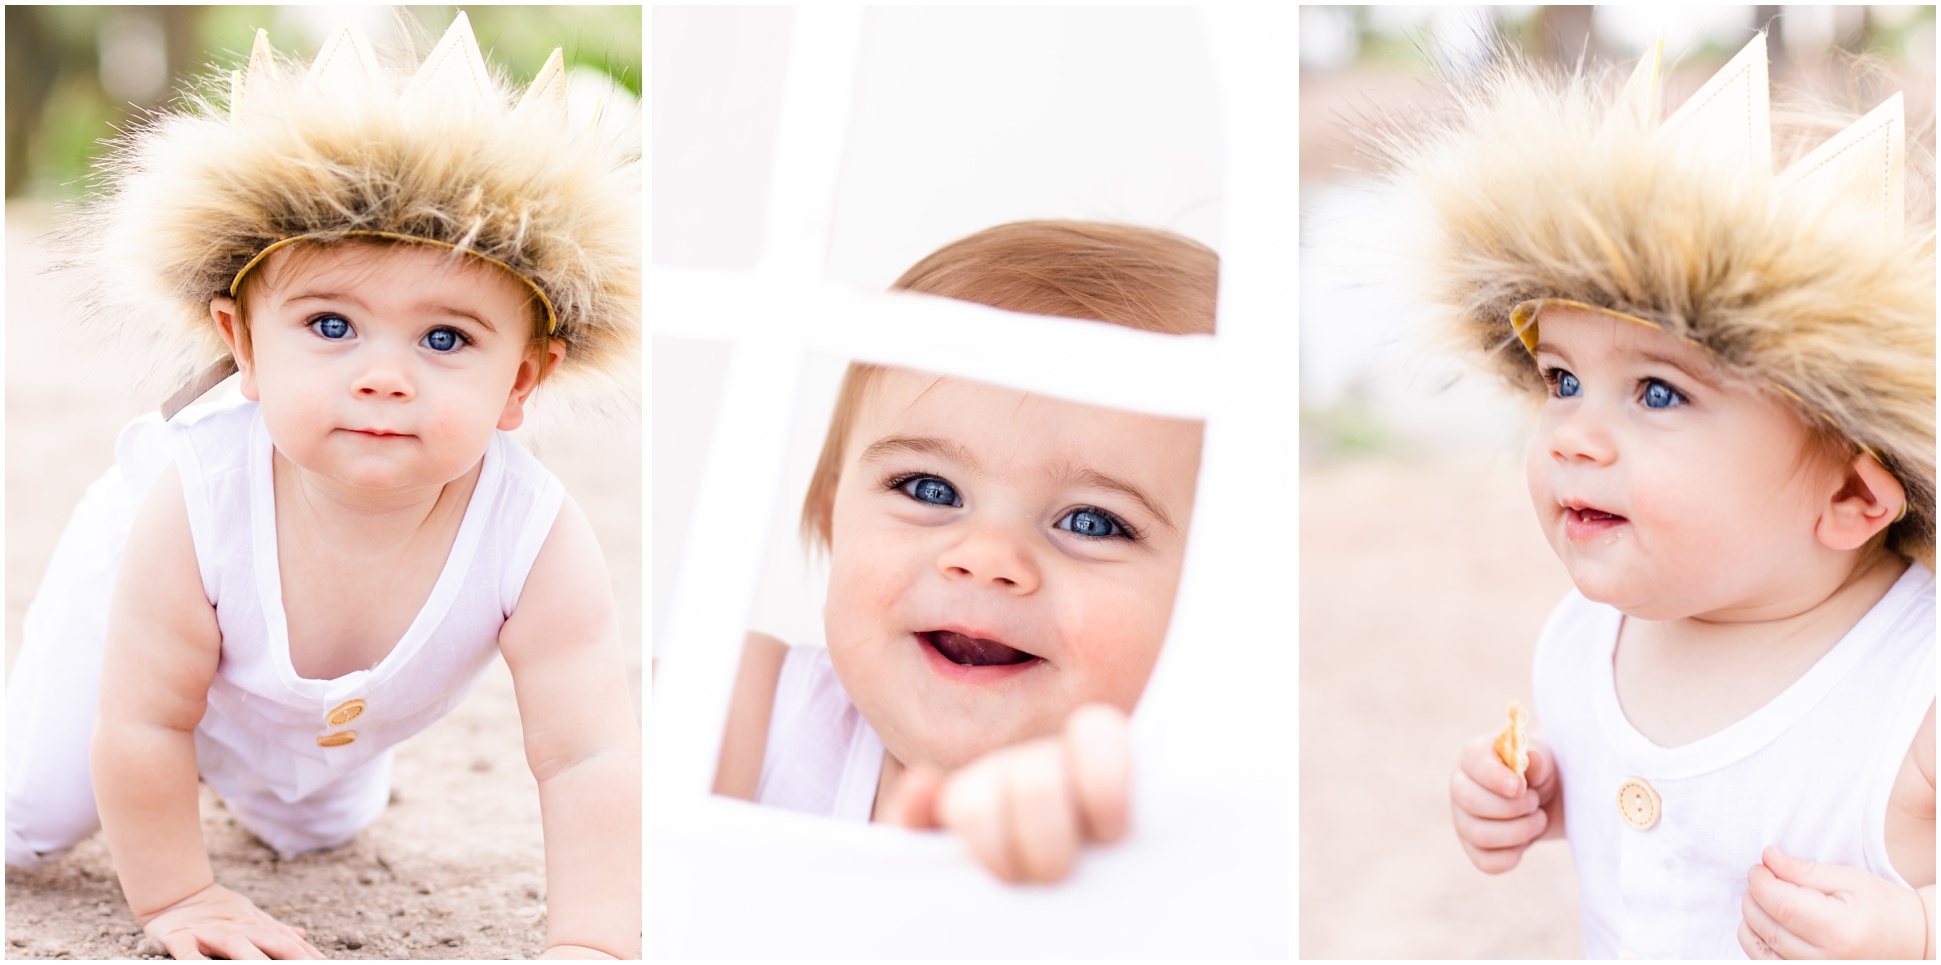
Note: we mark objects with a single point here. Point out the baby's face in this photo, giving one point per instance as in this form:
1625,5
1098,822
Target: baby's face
1665,492
387,367
998,558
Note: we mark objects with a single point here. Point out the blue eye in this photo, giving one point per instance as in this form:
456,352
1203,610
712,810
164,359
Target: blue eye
444,340
1093,524
1658,395
1567,385
330,326
930,489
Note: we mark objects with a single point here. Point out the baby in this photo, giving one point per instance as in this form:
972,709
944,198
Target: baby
1735,462
309,576
1001,573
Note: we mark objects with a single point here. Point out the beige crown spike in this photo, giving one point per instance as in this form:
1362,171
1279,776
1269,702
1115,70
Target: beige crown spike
1640,91
1730,116
1864,165
548,91
347,63
453,73
261,60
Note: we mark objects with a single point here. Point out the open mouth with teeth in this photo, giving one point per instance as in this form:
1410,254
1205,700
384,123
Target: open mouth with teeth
973,651
1586,523
1588,515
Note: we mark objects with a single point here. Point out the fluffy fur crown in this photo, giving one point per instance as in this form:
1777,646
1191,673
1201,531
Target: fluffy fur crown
345,148
1813,281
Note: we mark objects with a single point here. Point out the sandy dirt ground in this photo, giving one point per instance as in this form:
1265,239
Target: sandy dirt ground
454,869
1423,587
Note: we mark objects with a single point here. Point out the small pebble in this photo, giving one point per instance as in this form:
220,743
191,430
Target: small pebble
351,939
17,942
148,947
451,938
366,878
424,889
532,891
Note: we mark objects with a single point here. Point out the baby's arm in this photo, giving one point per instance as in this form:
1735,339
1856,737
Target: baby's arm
563,646
1498,814
162,650
1804,909
1026,809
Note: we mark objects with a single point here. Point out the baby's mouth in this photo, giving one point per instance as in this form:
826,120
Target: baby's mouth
1589,515
973,651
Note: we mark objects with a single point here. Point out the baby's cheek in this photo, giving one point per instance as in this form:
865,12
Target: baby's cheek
1115,643
860,596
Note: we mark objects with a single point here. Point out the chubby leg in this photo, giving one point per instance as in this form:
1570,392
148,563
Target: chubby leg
55,684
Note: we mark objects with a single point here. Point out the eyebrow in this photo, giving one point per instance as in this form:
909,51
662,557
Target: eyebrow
363,306
1680,365
923,446
945,449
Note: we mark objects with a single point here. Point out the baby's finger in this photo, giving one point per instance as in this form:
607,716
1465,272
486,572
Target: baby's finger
1783,942
1043,816
972,805
284,943
1489,834
233,946
1098,752
1493,861
1798,909
1751,943
1481,765
182,946
1542,767
1477,799
914,803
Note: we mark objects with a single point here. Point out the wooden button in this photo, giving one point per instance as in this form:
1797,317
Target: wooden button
338,739
1638,803
345,713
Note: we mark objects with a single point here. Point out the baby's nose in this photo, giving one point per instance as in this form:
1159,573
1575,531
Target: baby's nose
383,376
1582,436
994,553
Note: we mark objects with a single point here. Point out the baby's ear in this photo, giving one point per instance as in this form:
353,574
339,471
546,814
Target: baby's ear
1868,501
533,370
229,324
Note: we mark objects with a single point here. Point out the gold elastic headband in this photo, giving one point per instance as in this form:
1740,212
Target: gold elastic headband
552,321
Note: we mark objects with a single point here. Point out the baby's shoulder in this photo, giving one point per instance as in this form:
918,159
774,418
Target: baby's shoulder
744,742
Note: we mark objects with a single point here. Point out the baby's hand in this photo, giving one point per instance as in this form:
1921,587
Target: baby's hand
1804,909
1025,810
1497,814
217,921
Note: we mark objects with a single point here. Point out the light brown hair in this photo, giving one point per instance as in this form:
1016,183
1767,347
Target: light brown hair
1142,278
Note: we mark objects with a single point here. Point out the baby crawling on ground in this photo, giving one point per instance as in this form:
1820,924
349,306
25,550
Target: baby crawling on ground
1002,568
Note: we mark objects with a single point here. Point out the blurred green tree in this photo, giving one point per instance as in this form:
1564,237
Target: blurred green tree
78,74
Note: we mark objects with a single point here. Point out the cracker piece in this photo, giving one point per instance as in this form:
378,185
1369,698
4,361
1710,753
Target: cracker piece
1512,746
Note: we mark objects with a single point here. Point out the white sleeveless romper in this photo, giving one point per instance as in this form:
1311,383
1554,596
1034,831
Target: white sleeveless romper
822,756
1808,773
258,744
